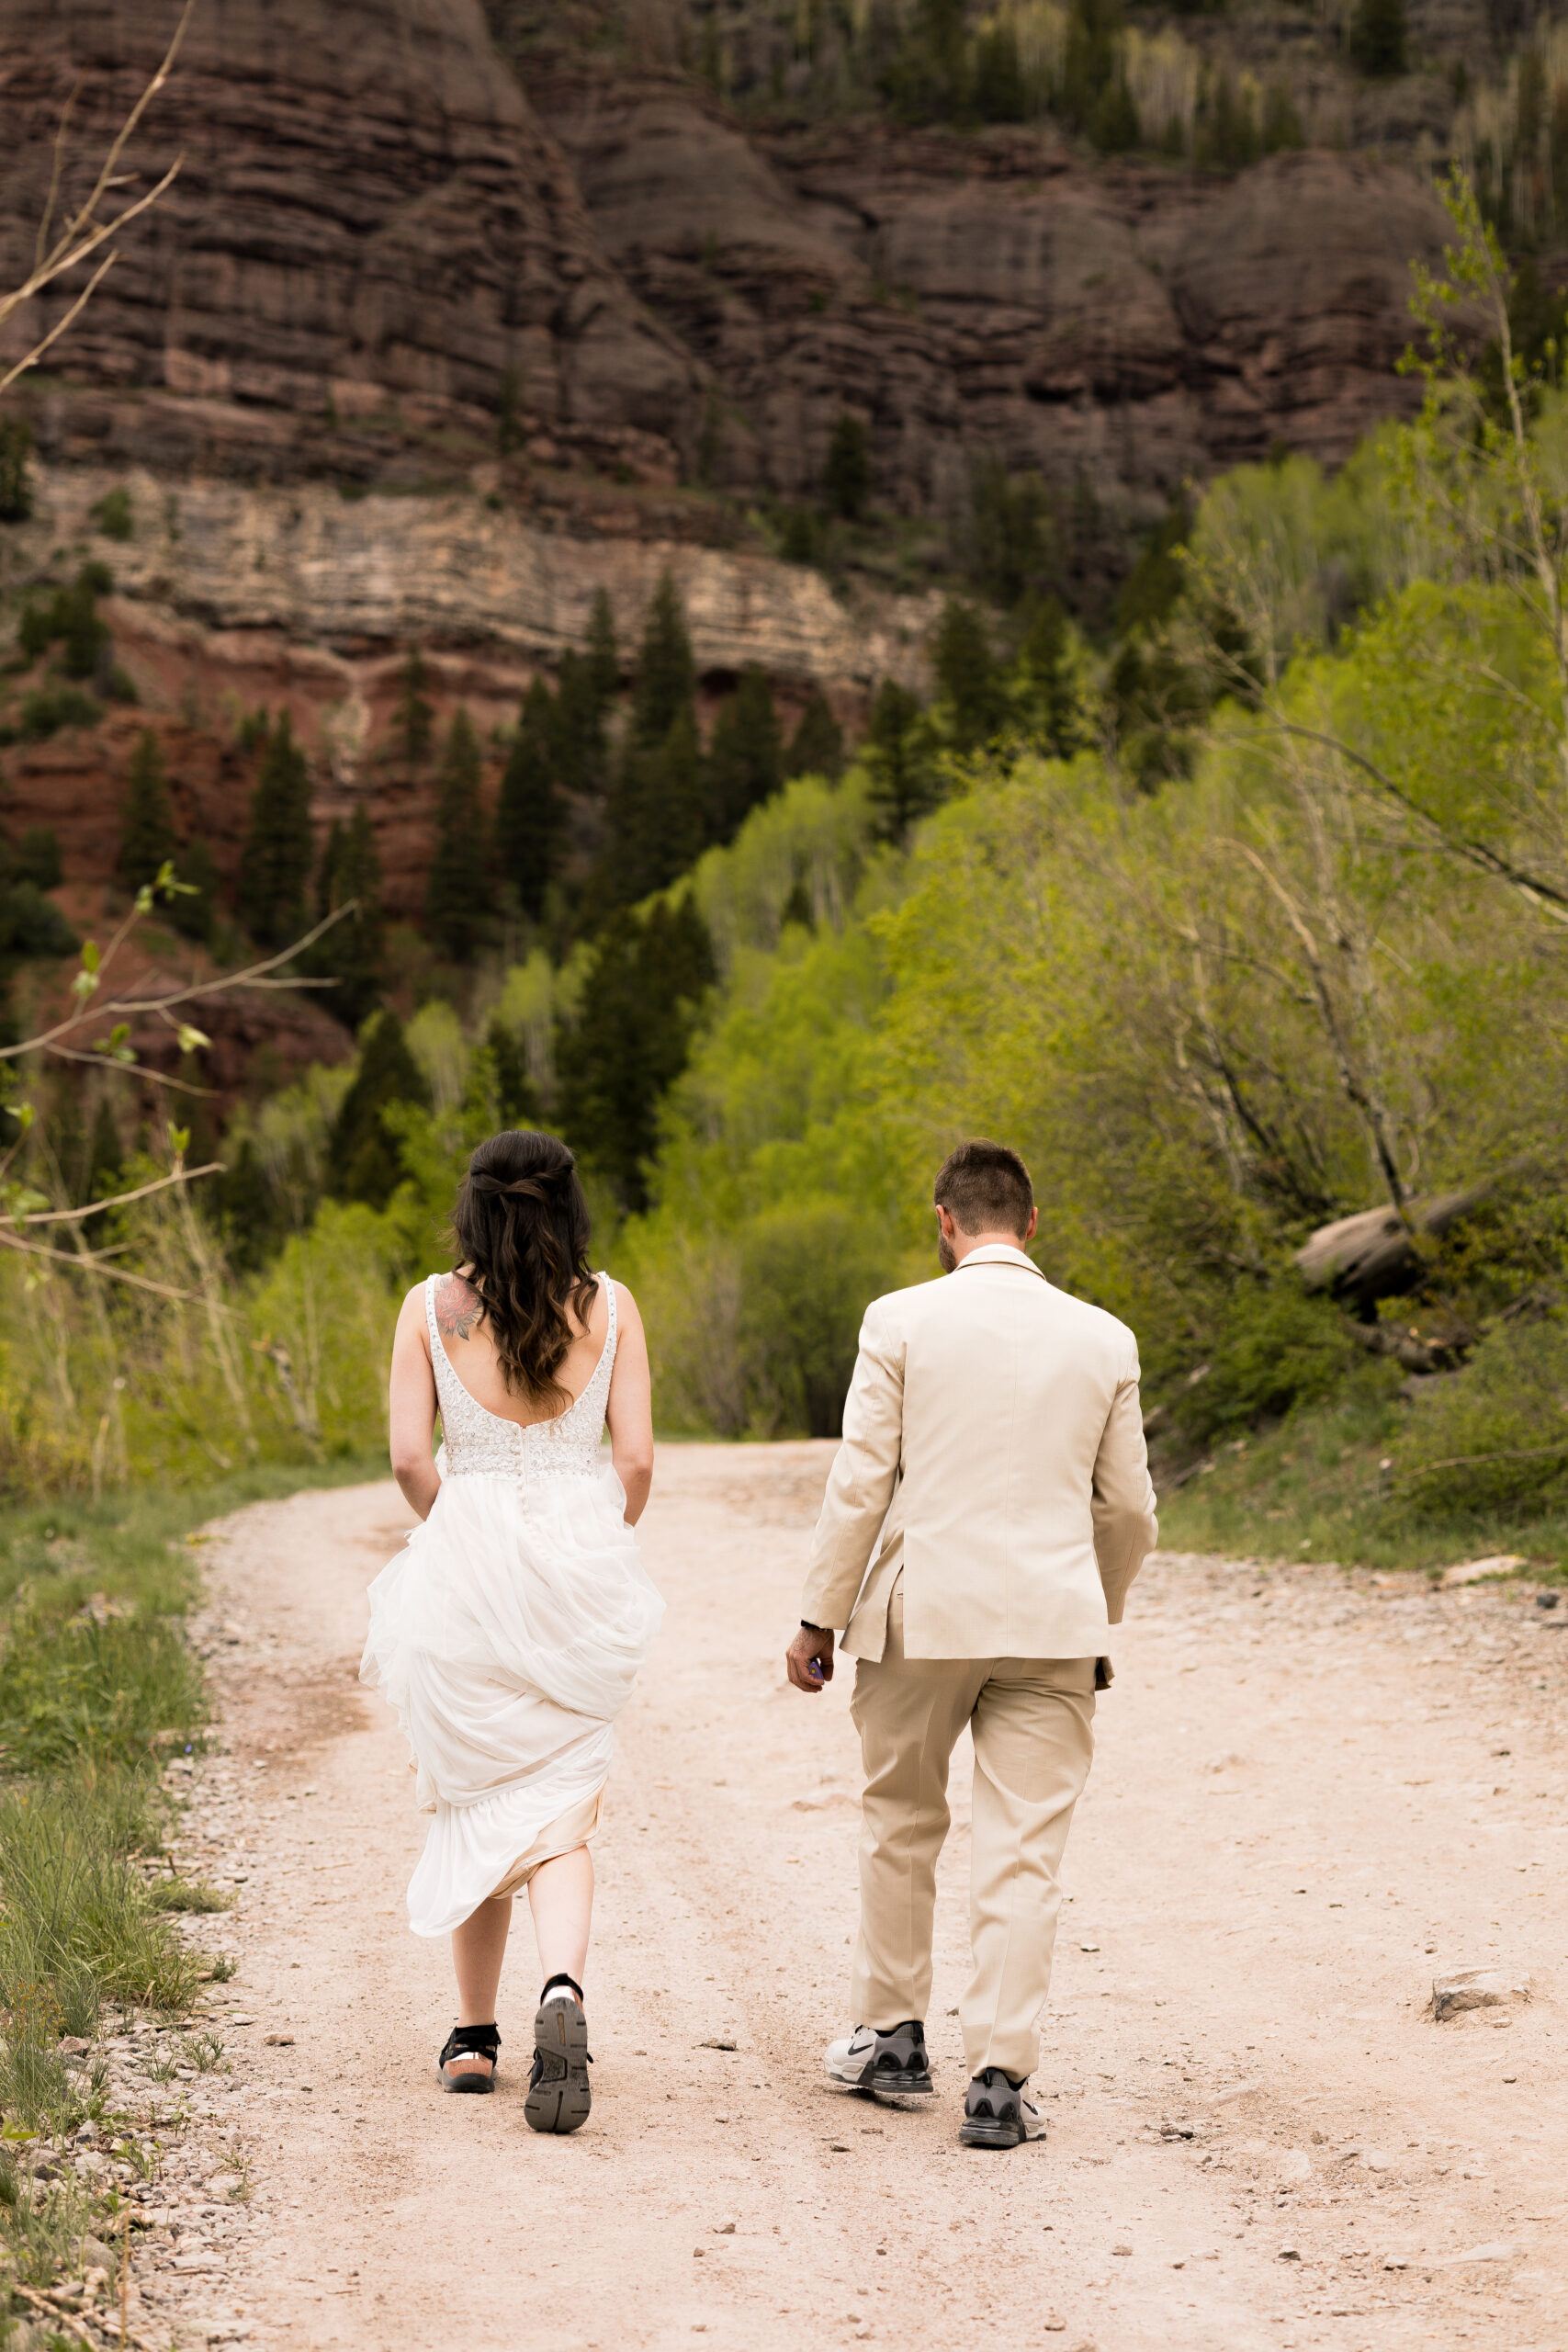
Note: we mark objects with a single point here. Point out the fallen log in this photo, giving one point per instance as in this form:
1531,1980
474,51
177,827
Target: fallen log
1377,1253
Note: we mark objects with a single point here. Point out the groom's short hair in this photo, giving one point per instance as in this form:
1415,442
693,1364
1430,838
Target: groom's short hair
985,1187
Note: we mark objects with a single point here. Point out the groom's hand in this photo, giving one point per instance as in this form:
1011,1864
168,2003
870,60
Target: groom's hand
806,1651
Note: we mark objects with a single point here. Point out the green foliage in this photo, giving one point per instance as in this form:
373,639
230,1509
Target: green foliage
745,759
1273,1346
413,717
193,911
147,836
1377,36
457,889
112,514
927,79
808,1267
364,1157
1046,685
530,817
1013,534
31,924
666,675
902,787
816,746
658,812
1000,92
1494,1437
630,1039
1227,135
275,869
101,1693
846,475
16,484
1091,63
967,673
49,709
37,858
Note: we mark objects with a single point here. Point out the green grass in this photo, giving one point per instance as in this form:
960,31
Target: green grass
1315,1487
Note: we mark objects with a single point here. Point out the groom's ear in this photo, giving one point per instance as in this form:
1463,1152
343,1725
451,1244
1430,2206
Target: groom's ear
1032,1228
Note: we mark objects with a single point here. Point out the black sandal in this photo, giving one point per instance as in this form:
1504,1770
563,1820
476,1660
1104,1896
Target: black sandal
468,2041
558,2095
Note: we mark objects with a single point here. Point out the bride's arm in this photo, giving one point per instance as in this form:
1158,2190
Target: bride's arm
630,1409
413,1407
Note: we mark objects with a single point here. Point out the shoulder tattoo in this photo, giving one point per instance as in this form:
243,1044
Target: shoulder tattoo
458,1308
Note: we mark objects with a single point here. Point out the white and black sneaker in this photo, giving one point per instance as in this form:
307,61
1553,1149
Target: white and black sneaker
558,2095
888,2065
999,2112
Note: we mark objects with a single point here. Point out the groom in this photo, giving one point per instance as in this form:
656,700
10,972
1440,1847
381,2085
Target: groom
993,1479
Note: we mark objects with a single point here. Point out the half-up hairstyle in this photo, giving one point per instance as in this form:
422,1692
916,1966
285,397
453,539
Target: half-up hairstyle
522,1225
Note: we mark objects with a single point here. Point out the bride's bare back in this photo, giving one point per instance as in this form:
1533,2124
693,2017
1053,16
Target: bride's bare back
460,1320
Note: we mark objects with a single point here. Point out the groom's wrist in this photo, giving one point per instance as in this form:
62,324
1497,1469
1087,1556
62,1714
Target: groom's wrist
807,1627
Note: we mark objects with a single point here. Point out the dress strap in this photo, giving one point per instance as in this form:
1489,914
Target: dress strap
610,1303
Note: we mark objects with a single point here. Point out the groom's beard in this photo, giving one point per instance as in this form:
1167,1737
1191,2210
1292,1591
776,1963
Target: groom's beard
944,1256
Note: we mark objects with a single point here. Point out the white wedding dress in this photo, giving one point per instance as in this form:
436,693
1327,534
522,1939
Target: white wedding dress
508,1634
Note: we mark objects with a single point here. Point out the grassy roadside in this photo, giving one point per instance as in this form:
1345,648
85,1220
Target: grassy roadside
98,1689
1321,1485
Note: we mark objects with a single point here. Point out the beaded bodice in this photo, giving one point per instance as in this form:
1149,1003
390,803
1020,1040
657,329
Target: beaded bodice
475,1439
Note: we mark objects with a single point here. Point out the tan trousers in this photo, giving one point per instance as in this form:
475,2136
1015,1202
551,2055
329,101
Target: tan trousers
1032,1725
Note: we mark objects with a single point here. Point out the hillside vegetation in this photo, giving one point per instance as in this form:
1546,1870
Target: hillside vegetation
1256,920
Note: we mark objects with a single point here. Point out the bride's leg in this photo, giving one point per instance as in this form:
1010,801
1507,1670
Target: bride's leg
561,1895
478,1947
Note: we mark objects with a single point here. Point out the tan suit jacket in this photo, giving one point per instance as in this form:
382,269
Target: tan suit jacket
993,1455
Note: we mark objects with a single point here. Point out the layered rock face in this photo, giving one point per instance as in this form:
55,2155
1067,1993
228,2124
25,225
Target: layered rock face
1125,327
368,217
377,219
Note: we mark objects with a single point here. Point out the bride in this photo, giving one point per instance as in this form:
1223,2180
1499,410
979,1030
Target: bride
508,1633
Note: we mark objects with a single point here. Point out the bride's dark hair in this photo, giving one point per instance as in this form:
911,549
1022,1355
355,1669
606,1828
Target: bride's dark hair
522,1225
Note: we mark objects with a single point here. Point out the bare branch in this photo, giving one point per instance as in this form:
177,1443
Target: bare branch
96,1262
116,1201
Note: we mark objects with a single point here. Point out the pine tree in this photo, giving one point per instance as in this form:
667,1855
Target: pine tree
194,911
276,868
250,1212
658,817
516,1098
603,659
1044,659
666,673
458,891
414,716
146,820
816,747
350,953
631,1039
744,756
966,671
846,476
901,789
1379,38
530,817
364,1156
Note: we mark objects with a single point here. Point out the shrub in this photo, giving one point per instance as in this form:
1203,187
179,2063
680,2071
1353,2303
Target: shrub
112,513
31,924
49,709
1275,1346
1495,1436
808,1267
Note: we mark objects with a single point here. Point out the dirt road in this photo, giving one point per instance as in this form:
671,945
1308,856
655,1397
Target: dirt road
1313,1793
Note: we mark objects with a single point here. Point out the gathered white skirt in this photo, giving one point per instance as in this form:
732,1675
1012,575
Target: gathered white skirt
507,1634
